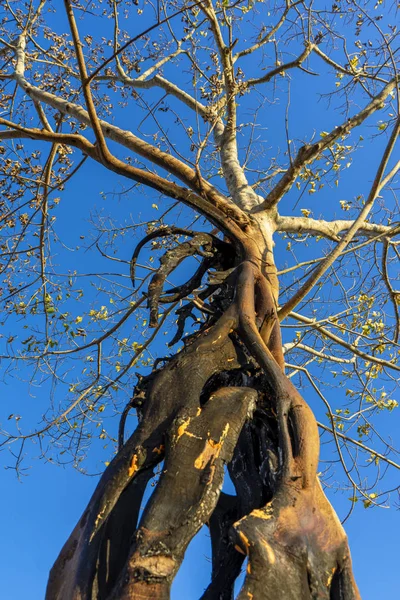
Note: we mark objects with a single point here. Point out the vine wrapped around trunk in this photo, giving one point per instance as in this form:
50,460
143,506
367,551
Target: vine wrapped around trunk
223,400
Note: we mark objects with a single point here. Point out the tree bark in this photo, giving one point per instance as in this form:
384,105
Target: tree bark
223,400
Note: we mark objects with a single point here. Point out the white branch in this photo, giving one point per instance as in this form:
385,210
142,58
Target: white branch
123,137
331,229
226,136
162,83
292,345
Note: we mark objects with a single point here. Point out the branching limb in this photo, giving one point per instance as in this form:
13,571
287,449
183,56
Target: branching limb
297,62
376,187
161,232
340,69
105,130
309,153
360,445
293,345
226,137
140,35
351,347
229,218
269,35
152,153
225,54
332,229
158,81
394,296
168,263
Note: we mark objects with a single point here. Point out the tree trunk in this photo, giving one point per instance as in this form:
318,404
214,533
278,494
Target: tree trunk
223,400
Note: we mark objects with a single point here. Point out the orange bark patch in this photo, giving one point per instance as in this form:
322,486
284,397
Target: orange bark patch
159,449
209,453
264,513
211,450
328,583
182,428
244,541
96,523
133,467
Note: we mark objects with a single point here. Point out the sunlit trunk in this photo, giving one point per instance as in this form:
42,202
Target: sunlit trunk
223,400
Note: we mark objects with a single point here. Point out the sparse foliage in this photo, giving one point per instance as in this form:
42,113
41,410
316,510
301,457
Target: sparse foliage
257,145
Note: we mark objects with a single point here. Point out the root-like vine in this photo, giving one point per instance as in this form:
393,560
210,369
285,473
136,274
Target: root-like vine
223,400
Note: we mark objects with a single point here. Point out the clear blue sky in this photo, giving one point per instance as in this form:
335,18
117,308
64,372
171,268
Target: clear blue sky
39,513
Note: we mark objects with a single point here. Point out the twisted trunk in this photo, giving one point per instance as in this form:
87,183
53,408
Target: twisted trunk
223,400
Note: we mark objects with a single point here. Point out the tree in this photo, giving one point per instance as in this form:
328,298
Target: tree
195,84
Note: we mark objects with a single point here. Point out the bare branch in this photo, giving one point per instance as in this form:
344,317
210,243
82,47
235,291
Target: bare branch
230,220
332,229
297,62
351,347
330,259
269,35
125,138
394,296
309,153
323,355
360,445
